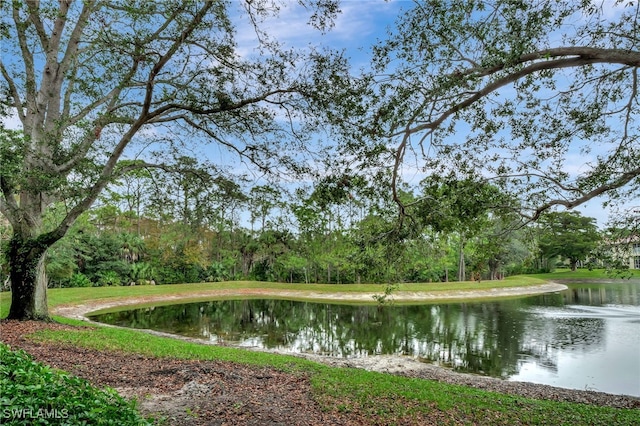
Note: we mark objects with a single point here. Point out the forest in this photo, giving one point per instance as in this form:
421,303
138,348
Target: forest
154,227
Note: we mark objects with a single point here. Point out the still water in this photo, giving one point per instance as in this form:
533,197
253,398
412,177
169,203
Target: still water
587,337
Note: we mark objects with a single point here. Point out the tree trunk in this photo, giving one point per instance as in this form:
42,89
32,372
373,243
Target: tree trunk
462,273
28,279
42,282
493,269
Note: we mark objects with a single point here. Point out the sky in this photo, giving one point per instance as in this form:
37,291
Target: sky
359,25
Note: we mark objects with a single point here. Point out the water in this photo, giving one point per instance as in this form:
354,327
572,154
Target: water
587,337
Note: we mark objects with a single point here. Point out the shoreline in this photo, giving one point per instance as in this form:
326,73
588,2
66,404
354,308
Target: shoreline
391,364
80,311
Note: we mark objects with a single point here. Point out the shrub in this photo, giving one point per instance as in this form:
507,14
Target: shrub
33,393
108,278
79,280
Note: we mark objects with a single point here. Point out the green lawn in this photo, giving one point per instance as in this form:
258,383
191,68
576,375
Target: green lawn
596,274
382,396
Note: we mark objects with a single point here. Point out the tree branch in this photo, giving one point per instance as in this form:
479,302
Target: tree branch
213,135
197,19
8,205
501,82
74,40
144,116
27,56
17,102
171,107
34,17
543,60
618,183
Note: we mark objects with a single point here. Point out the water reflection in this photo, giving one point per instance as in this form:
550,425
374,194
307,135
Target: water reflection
586,337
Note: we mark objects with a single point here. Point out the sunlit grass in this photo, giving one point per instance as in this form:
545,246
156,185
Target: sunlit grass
584,273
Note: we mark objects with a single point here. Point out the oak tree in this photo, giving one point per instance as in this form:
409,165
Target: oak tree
94,82
568,235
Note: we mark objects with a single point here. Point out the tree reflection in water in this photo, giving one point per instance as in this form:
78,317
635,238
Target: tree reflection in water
491,338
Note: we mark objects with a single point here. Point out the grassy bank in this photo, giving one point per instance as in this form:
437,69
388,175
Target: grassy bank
384,397
64,296
586,274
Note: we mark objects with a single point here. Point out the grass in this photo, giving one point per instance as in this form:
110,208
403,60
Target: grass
595,274
64,296
380,396
375,394
384,397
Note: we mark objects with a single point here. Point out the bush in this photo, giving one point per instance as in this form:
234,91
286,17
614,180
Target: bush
33,393
108,278
79,280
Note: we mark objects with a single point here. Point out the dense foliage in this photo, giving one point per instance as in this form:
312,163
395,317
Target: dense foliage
326,234
33,393
568,235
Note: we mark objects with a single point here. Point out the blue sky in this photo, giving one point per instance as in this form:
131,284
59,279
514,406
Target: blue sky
359,25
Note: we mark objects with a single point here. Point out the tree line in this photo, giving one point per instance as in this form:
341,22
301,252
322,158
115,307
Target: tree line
160,227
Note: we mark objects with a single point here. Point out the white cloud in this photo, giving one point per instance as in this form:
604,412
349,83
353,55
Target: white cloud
358,26
12,121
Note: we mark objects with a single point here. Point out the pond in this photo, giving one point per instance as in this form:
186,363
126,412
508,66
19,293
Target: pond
587,337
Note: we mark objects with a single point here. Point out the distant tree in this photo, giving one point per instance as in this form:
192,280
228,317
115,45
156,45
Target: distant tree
568,235
500,245
460,206
262,200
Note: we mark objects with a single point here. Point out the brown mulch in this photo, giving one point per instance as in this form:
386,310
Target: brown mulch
182,392
185,392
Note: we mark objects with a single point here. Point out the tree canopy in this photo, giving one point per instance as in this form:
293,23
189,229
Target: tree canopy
568,235
540,97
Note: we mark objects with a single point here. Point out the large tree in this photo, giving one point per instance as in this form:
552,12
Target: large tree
459,206
93,82
540,96
568,235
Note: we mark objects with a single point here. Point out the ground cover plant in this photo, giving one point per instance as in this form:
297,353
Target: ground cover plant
33,393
